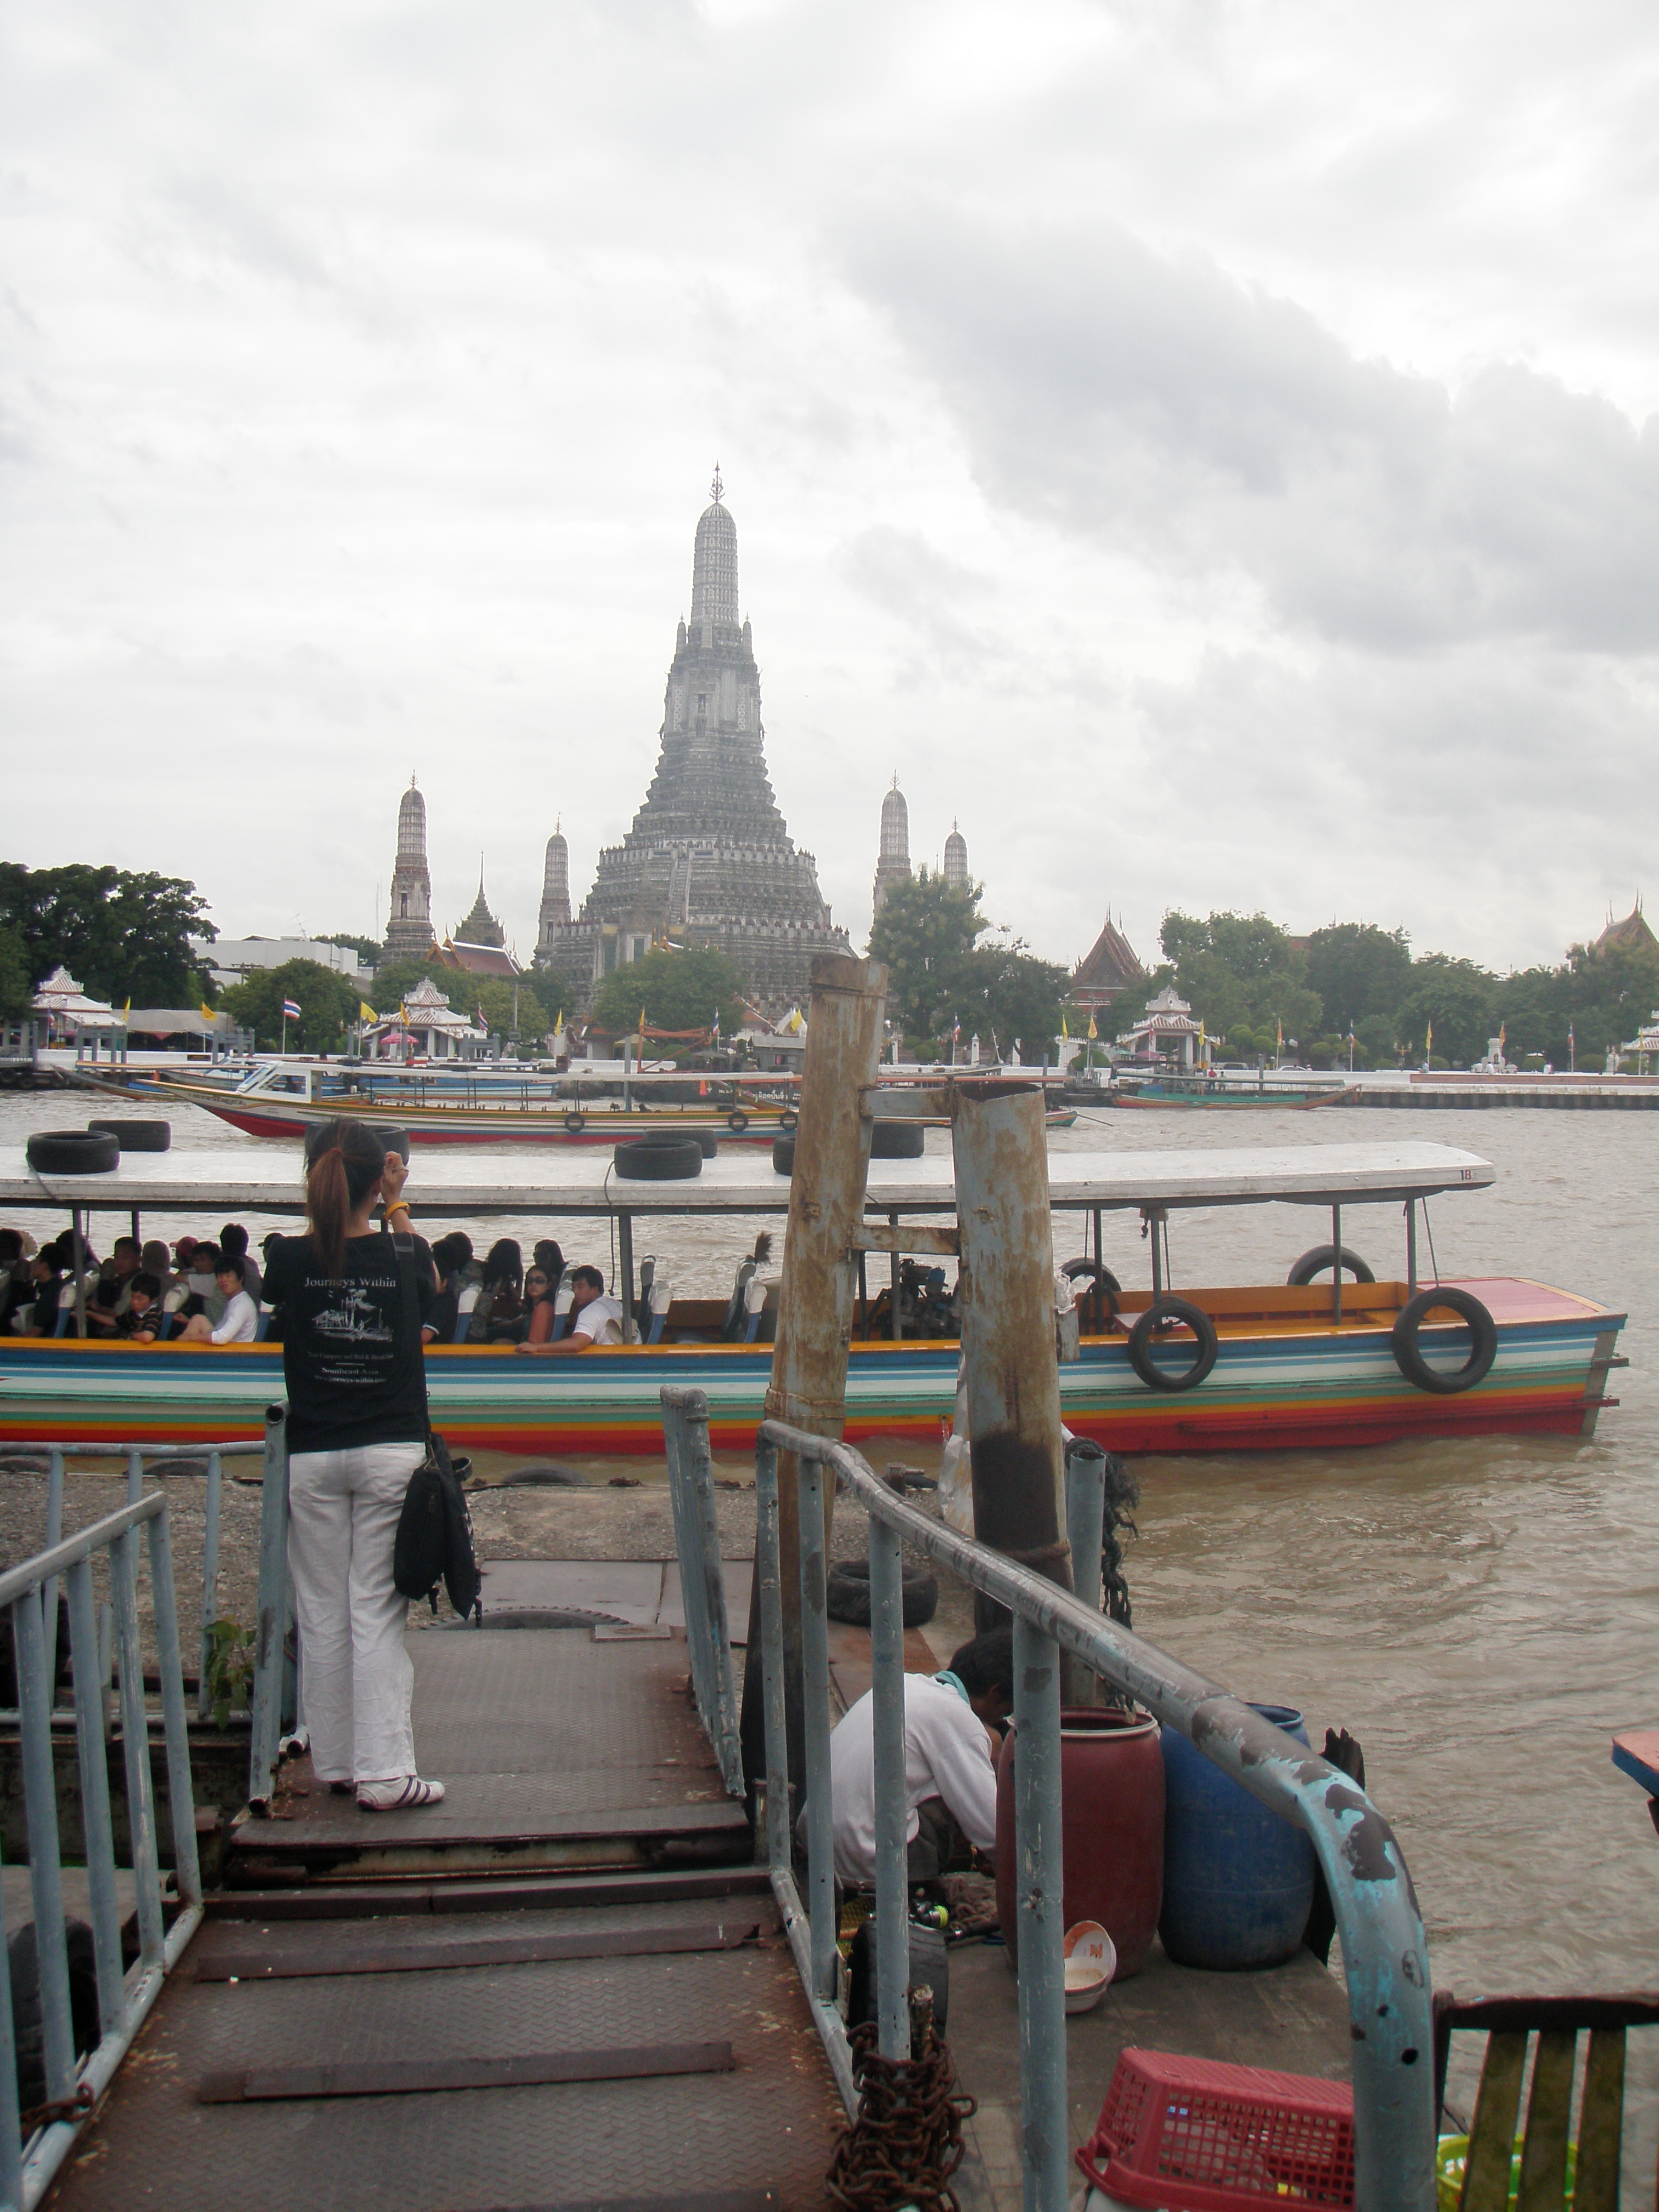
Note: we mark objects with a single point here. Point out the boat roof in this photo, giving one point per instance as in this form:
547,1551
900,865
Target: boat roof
266,1178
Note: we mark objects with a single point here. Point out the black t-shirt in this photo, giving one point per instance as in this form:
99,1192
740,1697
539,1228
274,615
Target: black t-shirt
351,1350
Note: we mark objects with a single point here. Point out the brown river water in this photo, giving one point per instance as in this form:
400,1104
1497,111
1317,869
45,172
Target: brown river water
1481,1615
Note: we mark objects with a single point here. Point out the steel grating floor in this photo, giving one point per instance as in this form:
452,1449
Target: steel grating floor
769,2124
538,1734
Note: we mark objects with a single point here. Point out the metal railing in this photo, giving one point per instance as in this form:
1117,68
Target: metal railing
703,1587
72,2084
143,1459
1385,1951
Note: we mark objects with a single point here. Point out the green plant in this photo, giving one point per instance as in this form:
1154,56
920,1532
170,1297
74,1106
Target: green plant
230,1668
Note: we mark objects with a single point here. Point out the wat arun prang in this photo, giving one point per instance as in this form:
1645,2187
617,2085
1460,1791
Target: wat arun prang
709,859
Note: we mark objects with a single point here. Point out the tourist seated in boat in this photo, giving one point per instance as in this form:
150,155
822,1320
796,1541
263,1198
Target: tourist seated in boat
16,1282
540,1290
109,1301
145,1319
232,1238
450,1255
37,1315
238,1317
499,1316
952,1724
594,1318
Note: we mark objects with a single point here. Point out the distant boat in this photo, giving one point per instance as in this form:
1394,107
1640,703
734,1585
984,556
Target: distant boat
1226,1092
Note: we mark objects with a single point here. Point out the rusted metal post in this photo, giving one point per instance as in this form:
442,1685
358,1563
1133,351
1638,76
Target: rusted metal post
816,1297
1007,1274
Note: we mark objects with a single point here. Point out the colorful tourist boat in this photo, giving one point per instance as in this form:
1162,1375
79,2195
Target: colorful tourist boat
284,1098
1305,1364
1226,1092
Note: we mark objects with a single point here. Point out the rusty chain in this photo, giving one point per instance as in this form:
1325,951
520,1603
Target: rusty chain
907,2141
55,2108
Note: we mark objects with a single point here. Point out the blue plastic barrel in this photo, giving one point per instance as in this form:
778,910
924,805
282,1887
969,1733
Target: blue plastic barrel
1237,1880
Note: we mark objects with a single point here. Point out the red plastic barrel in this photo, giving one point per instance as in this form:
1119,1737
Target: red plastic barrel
1111,1795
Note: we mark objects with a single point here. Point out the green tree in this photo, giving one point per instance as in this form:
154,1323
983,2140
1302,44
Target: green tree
366,950
1459,999
1239,970
1375,1034
924,934
17,985
1359,971
124,935
1005,993
682,990
327,1001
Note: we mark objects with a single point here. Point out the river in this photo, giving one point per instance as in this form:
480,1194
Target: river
1480,1616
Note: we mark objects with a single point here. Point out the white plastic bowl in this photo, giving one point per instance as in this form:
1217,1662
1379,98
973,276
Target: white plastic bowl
1091,1963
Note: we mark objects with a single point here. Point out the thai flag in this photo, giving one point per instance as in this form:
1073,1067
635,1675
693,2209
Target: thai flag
290,1010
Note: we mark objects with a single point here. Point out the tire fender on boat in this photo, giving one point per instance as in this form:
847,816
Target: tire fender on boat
1409,1359
787,1119
1162,1311
1314,1262
1106,1287
575,1123
737,1119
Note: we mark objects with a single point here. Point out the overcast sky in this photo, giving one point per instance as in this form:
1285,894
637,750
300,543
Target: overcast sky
1209,450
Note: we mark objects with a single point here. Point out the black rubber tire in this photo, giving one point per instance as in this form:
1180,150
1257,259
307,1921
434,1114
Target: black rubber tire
847,1593
897,1140
394,1140
138,1136
736,1120
1101,1287
1318,1257
1165,1307
783,1155
787,1120
575,1123
1409,1359
73,1152
658,1159
708,1139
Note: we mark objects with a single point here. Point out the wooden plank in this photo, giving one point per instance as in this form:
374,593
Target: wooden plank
1544,2160
1617,2008
403,2077
1491,2139
229,1965
1601,2124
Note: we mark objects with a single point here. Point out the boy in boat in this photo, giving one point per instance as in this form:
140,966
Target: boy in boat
950,1772
145,1319
238,1319
109,1302
594,1318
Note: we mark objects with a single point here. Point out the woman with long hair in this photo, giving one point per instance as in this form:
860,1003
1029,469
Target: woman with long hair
499,1316
540,1292
353,1308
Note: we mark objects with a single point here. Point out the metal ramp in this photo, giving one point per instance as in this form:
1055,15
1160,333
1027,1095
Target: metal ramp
567,1986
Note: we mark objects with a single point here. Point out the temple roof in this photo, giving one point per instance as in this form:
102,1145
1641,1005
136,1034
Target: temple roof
1629,935
1110,964
481,926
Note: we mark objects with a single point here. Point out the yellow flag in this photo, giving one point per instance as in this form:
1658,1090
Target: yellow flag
1064,1031
127,1009
1093,1031
207,1014
366,1012
1428,1045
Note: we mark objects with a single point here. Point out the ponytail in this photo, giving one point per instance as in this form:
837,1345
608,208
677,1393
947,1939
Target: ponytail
343,1161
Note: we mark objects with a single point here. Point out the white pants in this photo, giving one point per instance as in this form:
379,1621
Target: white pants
358,1679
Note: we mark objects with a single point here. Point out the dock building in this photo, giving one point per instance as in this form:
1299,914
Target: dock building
709,860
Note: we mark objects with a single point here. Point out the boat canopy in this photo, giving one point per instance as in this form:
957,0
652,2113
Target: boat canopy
266,1178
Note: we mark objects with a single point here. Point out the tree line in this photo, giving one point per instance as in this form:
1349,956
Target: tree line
1249,983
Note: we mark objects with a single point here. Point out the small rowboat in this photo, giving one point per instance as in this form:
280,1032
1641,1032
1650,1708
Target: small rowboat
1214,1370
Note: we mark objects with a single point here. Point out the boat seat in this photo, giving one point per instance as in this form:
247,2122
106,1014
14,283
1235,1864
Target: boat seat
1556,2022
760,1305
65,1315
262,1329
731,1329
658,1299
463,1305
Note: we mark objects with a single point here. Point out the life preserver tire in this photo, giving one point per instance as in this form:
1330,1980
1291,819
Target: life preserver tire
1319,1257
1164,1310
847,1593
575,1123
787,1120
737,1119
658,1159
138,1136
1409,1358
73,1152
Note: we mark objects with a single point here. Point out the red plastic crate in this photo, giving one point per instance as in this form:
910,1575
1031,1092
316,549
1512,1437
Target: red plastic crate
1193,2136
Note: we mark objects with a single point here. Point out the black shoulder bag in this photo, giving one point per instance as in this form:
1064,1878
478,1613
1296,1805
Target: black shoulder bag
434,1542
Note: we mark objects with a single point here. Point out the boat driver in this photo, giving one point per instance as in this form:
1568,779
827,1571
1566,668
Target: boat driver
594,1318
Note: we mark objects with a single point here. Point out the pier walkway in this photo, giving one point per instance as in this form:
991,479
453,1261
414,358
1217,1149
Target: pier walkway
564,1987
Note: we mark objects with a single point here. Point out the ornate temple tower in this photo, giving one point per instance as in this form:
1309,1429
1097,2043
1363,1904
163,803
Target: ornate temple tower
956,860
409,926
893,866
481,926
555,912
709,859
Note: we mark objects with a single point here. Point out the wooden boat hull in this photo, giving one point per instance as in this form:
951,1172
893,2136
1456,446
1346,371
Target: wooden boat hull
1282,1381
1284,1102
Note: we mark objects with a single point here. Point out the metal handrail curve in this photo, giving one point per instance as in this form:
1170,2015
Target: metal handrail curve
1384,1950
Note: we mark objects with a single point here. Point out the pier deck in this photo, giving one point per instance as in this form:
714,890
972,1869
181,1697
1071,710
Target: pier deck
565,1986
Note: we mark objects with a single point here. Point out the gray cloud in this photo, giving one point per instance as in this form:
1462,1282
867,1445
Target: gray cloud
1153,402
